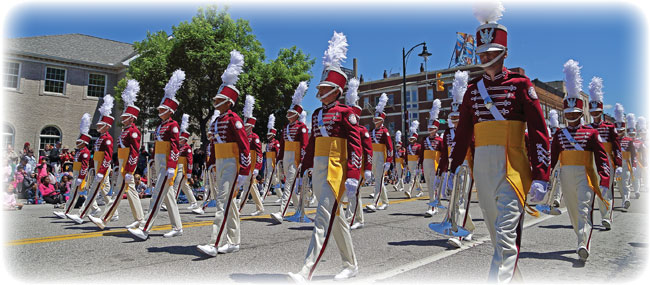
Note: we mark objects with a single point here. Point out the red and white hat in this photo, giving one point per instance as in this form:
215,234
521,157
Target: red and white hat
334,55
271,125
129,96
169,101
381,105
185,122
229,78
296,100
631,122
414,129
573,102
433,114
490,36
458,88
105,110
249,105
84,127
398,137
352,96
596,94
619,116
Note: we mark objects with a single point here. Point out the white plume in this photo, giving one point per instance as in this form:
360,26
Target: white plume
553,119
450,123
414,127
174,83
572,79
631,120
249,104
84,126
271,124
214,116
107,106
235,67
185,122
640,123
303,117
459,86
488,11
383,99
299,93
336,52
619,113
130,93
435,109
398,136
596,89
352,96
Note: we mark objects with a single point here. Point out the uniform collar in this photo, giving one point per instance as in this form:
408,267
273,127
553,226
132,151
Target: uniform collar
574,128
502,75
330,105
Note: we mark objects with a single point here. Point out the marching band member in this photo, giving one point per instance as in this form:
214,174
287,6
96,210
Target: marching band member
354,210
79,166
250,186
209,168
629,159
554,126
400,153
430,153
165,161
127,156
333,157
412,158
232,162
495,111
184,165
292,150
103,156
271,175
382,155
578,148
610,142
639,146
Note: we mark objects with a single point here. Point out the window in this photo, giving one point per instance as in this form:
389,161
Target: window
366,101
391,100
49,135
449,94
96,85
429,94
391,127
7,136
54,80
412,97
11,75
413,116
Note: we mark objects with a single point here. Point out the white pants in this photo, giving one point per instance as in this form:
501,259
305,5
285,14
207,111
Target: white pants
638,175
378,161
163,192
272,179
290,172
399,172
502,211
210,191
462,211
121,186
181,184
430,176
329,220
96,186
227,215
354,212
606,211
579,199
74,195
413,168
253,191
626,180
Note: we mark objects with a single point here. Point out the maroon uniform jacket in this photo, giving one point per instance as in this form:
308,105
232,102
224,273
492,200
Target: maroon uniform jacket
448,144
429,143
366,144
104,143
229,128
210,158
627,145
82,155
186,151
587,138
608,134
256,145
297,132
130,138
168,131
400,152
514,96
412,149
382,136
273,146
339,121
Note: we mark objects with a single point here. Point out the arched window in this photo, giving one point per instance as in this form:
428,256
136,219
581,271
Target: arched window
8,135
49,135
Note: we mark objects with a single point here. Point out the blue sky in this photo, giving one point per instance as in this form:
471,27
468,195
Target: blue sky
607,39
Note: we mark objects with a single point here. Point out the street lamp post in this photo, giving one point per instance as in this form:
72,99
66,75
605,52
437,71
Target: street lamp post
405,55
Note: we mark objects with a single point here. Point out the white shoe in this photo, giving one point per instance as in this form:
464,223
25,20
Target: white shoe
454,242
419,194
76,219
607,225
429,213
96,213
134,225
583,253
59,214
372,195
193,206
407,194
356,225
346,274
626,204
277,217
313,201
297,278
468,237
382,207
139,233
115,218
278,201
257,213
97,221
198,211
228,248
173,233
207,249
163,207
556,203
371,208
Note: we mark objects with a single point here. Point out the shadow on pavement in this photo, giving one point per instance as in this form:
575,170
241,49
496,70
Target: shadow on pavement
178,249
556,255
557,227
638,244
435,242
303,228
406,214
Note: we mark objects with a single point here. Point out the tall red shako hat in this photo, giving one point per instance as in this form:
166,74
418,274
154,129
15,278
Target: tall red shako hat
296,100
249,104
185,122
129,96
352,96
105,110
433,115
169,102
619,116
230,77
398,138
271,125
596,94
334,55
490,35
381,105
84,127
573,102
414,129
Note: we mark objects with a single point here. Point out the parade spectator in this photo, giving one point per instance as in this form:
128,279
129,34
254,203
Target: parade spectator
17,182
26,149
7,172
142,161
140,186
29,185
49,193
9,202
53,156
31,160
65,184
11,155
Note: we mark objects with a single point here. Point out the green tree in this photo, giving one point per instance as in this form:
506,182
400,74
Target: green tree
202,48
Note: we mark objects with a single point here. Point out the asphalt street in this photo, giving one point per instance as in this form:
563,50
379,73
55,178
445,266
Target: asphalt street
395,245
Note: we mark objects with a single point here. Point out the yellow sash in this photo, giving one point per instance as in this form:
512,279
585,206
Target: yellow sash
272,156
163,147
511,135
123,154
295,147
253,161
586,159
183,160
609,149
336,149
98,157
76,166
435,155
413,157
627,156
380,147
399,161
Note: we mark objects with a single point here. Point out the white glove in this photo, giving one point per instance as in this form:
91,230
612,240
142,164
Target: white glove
619,171
386,166
537,190
99,176
351,185
255,172
367,175
79,181
170,172
189,175
128,177
309,171
241,179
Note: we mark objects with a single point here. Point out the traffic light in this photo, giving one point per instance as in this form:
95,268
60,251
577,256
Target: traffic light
440,86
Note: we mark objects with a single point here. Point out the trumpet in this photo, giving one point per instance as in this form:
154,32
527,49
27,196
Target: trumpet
554,182
299,216
439,188
461,186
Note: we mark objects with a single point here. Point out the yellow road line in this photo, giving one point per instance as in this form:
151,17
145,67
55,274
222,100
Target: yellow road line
155,228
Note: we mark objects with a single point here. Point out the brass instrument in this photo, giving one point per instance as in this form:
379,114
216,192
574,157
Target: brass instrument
554,181
460,191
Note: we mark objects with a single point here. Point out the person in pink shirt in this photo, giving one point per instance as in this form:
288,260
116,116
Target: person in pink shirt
49,192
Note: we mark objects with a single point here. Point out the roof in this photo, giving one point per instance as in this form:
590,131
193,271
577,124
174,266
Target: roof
73,47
